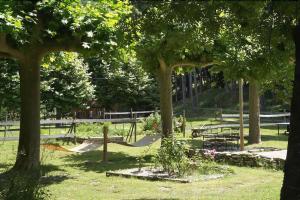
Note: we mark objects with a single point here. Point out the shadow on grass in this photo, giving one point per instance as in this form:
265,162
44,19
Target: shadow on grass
5,166
274,138
92,161
17,185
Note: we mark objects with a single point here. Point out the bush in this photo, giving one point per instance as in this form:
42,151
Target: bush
152,124
172,157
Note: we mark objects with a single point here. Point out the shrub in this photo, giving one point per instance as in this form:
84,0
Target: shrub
152,124
172,157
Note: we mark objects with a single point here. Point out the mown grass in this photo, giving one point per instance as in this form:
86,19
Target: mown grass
82,176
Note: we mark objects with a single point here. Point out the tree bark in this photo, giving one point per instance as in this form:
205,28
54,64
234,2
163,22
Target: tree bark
191,88
28,156
254,111
241,109
291,183
165,90
183,86
196,87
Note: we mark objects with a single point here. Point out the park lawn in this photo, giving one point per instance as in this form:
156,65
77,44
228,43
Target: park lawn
82,176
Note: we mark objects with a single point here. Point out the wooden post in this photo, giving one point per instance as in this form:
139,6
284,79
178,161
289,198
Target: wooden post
183,124
105,141
131,113
135,126
5,128
241,103
103,113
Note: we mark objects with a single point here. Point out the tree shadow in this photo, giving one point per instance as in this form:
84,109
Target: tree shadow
274,138
92,161
5,166
27,185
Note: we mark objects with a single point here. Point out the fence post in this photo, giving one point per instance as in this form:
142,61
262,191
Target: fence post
105,141
103,113
221,113
131,113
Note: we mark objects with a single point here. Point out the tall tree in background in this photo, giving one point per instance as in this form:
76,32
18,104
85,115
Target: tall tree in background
66,84
29,30
252,39
9,87
123,84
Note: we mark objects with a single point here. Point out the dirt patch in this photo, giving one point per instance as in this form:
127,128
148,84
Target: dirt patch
154,174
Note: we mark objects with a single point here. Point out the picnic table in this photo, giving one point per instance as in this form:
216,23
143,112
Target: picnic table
197,132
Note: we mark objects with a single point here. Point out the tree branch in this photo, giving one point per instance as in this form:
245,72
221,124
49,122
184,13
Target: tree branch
72,44
6,50
193,64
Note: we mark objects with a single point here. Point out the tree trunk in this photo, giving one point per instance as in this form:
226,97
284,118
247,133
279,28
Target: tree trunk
165,90
241,109
291,183
191,88
183,88
28,156
196,87
254,111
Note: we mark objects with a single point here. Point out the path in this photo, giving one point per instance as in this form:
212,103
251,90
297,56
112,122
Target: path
273,154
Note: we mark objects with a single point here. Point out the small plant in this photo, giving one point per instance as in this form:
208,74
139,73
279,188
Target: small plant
209,167
152,124
178,124
172,157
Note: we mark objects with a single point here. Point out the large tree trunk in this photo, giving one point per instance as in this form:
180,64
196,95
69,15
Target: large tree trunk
254,111
291,183
165,90
28,156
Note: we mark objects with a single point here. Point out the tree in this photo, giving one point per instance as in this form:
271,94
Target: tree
251,41
291,181
29,30
254,112
123,84
65,83
171,35
9,89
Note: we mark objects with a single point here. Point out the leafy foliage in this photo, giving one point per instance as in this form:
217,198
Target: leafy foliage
174,30
152,124
172,157
9,85
66,83
123,84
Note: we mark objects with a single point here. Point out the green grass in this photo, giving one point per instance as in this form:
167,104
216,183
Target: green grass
82,176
